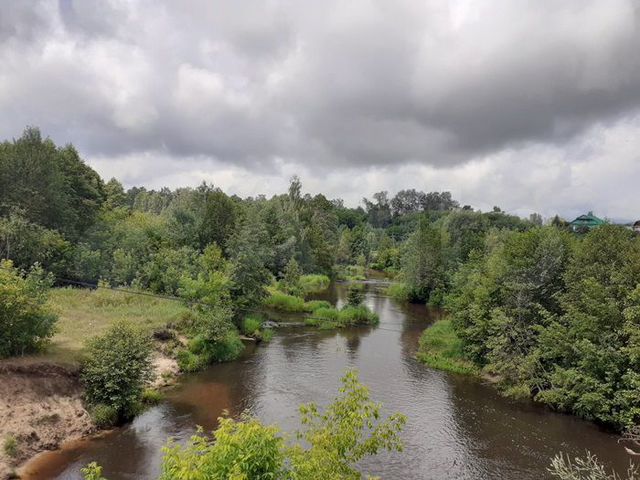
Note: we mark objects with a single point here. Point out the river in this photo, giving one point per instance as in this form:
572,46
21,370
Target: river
458,427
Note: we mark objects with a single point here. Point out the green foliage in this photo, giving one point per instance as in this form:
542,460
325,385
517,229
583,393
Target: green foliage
441,348
25,321
151,396
330,445
10,446
314,283
355,294
117,367
104,416
250,257
556,318
290,303
290,282
284,302
346,432
241,449
51,185
587,468
251,324
92,472
26,243
424,262
399,291
214,339
327,317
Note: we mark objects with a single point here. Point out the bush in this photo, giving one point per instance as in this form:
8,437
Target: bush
117,367
104,416
355,294
10,446
25,322
190,362
215,340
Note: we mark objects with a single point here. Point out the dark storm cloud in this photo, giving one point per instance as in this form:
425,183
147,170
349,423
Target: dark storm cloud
322,85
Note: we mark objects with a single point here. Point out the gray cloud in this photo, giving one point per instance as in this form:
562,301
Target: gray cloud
324,87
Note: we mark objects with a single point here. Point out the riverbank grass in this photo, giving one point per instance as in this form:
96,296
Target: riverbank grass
290,303
398,291
83,314
441,348
327,318
314,283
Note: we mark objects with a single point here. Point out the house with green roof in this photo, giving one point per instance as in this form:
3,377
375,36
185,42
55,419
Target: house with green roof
584,223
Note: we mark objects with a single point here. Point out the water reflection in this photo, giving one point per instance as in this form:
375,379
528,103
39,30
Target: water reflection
457,428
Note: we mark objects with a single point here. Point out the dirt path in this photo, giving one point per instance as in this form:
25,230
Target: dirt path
40,407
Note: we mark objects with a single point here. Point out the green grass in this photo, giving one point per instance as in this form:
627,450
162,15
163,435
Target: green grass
290,303
251,325
151,397
398,291
441,348
83,314
10,446
327,318
351,273
314,283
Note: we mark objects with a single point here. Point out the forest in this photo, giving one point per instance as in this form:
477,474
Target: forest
549,314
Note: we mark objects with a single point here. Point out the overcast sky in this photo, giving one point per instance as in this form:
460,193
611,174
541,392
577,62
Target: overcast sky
530,105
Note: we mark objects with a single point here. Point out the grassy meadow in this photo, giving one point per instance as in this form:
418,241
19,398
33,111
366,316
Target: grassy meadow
83,314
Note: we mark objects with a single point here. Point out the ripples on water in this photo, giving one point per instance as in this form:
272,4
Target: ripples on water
457,427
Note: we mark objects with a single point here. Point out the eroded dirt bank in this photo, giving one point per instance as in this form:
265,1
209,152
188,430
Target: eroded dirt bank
40,407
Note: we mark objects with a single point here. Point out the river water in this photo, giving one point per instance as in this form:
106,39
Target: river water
458,428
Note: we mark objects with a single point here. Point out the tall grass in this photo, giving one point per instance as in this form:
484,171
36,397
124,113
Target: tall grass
314,283
290,303
329,317
399,291
441,348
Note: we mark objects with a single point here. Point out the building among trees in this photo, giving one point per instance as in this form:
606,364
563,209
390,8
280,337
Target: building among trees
584,223
636,227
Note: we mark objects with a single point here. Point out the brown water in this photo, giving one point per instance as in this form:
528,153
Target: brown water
458,428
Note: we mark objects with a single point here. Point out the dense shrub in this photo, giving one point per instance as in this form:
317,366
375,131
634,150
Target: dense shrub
25,322
116,368
214,339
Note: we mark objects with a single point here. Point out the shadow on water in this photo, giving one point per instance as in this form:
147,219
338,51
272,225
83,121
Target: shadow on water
458,428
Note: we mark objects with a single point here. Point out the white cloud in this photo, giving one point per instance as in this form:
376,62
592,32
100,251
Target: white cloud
514,103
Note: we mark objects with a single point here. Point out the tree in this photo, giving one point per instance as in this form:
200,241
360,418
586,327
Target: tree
25,322
249,260
424,263
291,278
116,368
